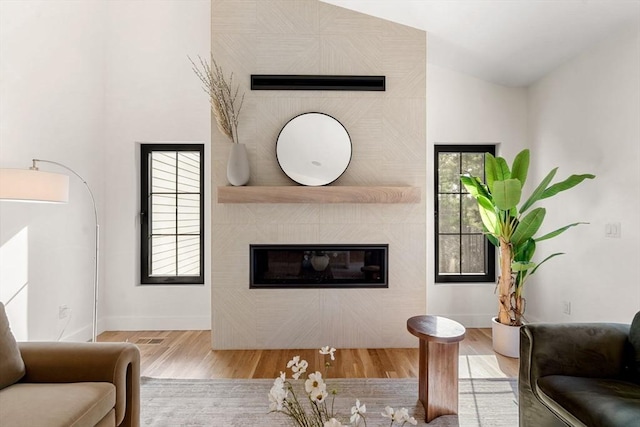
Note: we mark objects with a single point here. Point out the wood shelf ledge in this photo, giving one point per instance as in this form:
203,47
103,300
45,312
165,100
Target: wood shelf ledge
325,194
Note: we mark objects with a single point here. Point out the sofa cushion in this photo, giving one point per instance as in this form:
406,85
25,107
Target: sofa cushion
634,338
595,402
11,364
60,404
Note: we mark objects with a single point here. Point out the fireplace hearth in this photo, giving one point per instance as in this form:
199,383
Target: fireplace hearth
319,266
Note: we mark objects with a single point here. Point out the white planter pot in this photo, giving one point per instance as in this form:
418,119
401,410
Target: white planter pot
506,339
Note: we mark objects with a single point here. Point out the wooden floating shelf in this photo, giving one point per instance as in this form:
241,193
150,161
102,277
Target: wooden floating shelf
325,194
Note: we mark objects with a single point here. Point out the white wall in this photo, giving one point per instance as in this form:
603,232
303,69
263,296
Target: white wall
51,107
81,83
465,110
152,95
584,117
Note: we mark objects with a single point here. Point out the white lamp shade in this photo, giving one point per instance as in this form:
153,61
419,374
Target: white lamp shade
28,185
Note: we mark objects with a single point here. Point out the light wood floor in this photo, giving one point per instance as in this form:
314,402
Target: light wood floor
188,354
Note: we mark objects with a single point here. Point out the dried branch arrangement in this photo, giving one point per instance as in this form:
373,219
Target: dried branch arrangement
222,96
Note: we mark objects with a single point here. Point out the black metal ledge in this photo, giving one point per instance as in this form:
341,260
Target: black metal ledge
311,82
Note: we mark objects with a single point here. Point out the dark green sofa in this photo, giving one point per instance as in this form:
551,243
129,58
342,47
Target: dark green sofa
580,374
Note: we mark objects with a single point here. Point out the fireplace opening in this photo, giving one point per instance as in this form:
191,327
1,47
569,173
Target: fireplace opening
319,266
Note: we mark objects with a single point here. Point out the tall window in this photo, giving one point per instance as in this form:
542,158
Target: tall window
172,212
462,252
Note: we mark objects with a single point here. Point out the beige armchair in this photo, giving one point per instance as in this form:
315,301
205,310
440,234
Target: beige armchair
68,384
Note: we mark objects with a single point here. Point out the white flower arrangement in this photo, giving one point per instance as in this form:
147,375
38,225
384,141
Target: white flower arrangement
283,399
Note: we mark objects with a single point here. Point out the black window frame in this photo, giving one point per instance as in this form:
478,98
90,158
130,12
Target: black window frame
146,215
490,250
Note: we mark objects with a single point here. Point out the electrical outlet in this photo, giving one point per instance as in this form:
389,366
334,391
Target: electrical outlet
613,230
63,311
566,307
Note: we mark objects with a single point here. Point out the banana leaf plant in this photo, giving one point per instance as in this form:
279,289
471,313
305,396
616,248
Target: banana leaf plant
513,229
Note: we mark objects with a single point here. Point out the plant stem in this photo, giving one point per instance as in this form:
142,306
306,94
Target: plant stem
504,287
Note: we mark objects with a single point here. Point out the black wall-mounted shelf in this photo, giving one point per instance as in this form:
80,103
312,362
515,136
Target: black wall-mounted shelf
311,82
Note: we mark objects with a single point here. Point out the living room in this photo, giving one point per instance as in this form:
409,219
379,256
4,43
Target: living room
85,83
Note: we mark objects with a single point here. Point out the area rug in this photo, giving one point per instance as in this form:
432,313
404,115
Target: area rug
231,403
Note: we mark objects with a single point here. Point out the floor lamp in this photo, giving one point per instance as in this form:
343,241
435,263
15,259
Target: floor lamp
34,185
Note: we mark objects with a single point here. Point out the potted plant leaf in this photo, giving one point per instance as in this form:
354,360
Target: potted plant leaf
512,226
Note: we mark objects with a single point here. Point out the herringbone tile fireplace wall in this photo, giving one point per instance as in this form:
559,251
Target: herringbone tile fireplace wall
388,133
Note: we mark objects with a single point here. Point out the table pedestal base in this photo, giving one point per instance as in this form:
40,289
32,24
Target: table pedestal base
438,379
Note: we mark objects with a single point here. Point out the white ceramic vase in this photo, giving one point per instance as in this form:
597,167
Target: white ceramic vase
319,262
506,339
238,165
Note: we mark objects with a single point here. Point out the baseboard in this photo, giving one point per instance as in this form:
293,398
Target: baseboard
530,319
470,320
184,323
137,323
81,335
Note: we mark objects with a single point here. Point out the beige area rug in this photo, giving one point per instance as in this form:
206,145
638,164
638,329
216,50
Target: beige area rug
221,402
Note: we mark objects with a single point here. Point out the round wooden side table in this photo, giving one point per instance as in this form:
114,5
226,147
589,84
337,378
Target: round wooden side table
438,369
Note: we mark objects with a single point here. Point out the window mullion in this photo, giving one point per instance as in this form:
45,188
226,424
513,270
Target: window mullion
176,213
460,215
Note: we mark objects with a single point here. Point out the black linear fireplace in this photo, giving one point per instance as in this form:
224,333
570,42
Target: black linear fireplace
319,266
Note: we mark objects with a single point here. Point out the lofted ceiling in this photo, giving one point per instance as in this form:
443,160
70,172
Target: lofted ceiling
509,42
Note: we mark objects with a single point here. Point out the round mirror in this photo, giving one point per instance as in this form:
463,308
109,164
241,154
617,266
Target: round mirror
313,149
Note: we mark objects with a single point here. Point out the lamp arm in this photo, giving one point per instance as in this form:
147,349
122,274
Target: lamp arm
94,324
